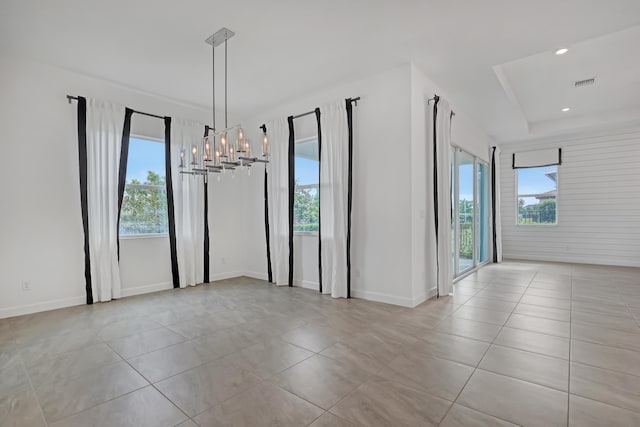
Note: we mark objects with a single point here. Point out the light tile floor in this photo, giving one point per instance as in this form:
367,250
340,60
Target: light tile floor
535,344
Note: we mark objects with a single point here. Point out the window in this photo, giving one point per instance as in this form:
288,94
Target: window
144,207
306,208
537,194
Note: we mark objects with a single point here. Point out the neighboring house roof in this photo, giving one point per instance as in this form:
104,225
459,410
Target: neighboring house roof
542,196
552,174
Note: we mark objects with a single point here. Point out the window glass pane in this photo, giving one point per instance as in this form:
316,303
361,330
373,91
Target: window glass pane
454,209
307,197
537,192
465,211
144,207
144,156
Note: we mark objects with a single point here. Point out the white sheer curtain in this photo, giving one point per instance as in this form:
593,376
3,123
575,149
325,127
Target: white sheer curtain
105,121
278,188
442,193
496,247
188,200
334,176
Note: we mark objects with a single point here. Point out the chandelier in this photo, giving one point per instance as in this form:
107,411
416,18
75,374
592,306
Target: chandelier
218,154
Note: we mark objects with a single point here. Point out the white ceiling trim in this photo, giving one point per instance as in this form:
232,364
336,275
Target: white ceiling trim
511,95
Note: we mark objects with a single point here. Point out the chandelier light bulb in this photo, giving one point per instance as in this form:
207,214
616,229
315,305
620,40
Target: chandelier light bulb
207,150
181,165
223,145
194,152
240,140
265,145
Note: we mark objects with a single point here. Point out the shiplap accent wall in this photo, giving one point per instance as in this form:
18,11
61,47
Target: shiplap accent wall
598,203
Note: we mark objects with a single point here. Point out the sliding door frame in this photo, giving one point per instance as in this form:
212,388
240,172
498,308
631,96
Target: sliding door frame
457,273
455,201
477,224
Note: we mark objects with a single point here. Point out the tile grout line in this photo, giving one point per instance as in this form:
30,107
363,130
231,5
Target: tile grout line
33,390
546,333
484,355
152,384
492,344
570,351
101,403
261,380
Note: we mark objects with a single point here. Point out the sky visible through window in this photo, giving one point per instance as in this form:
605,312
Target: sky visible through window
466,182
534,181
306,171
144,155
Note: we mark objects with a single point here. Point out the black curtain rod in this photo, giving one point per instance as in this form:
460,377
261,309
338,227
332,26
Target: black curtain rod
436,97
304,114
148,114
263,127
313,111
75,98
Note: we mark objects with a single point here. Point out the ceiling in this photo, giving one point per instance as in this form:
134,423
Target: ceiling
495,57
542,85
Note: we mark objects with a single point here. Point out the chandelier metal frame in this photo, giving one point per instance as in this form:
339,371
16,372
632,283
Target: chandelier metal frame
217,154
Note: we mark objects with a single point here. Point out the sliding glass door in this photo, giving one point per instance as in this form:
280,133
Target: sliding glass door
470,221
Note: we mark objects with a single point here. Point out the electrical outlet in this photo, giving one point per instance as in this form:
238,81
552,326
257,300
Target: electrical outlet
26,286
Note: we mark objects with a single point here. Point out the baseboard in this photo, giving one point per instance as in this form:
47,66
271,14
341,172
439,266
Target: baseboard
306,284
299,283
256,275
139,290
226,275
425,296
41,306
384,298
568,260
156,287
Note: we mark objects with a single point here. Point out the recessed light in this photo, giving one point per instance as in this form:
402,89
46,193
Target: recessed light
565,109
562,51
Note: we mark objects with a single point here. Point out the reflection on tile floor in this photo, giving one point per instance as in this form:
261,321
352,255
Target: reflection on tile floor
534,344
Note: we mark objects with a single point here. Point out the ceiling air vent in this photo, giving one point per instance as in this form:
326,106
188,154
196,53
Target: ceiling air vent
586,82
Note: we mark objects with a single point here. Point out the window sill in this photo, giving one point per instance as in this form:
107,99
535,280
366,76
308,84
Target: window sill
306,233
145,236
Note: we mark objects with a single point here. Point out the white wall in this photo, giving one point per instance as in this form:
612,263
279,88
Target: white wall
392,259
466,135
381,226
598,203
41,238
40,222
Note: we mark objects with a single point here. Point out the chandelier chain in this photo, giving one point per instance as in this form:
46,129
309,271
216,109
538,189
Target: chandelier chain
213,61
226,121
